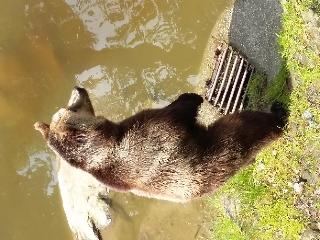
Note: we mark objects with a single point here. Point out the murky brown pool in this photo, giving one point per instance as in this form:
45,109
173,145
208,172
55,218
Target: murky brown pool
129,54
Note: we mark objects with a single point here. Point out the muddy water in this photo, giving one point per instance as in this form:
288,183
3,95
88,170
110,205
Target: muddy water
129,55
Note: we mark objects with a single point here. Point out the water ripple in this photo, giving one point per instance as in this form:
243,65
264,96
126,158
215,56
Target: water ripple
129,23
38,160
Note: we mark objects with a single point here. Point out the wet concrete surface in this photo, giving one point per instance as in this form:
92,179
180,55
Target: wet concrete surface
254,29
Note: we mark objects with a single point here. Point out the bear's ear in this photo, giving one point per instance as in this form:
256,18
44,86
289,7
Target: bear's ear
43,128
80,102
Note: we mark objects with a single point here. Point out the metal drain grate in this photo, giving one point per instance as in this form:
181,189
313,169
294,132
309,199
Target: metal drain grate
229,81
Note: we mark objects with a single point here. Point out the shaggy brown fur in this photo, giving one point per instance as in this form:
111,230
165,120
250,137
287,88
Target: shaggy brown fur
160,153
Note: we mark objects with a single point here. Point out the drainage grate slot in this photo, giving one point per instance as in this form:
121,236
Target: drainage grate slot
229,81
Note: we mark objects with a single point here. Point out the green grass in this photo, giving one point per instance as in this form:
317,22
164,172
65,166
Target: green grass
224,226
261,94
267,204
255,90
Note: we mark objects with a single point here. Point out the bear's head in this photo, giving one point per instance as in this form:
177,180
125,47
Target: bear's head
73,128
78,114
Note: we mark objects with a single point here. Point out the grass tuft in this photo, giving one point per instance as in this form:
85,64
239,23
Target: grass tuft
265,205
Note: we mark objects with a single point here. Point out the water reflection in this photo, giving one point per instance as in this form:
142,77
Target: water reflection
155,76
129,23
40,159
123,89
98,80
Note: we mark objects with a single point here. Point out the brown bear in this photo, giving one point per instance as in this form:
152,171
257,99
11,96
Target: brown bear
159,153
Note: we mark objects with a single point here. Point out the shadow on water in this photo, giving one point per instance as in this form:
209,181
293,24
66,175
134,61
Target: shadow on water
254,30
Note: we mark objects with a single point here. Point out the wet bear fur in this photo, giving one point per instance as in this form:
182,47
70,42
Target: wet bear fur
159,153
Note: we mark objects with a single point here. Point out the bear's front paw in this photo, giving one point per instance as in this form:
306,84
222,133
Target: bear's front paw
191,97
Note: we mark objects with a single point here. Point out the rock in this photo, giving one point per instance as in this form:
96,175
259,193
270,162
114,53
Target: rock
312,22
260,167
304,60
315,225
309,17
298,187
318,225
311,178
310,234
317,192
295,80
309,117
231,206
314,94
